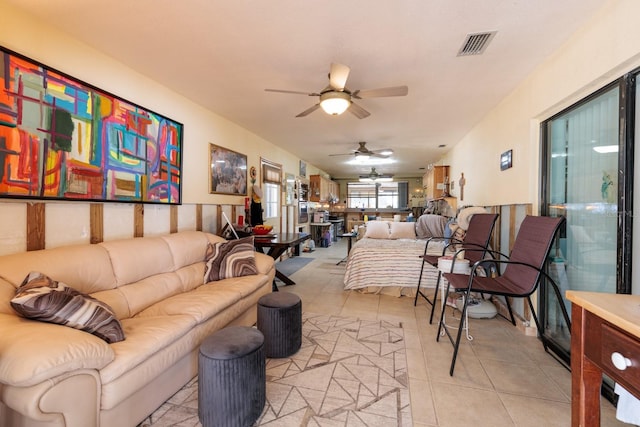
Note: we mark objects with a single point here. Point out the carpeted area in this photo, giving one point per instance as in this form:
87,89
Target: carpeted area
348,372
293,264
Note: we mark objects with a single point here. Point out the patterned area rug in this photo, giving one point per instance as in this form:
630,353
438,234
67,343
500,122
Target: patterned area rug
349,372
293,264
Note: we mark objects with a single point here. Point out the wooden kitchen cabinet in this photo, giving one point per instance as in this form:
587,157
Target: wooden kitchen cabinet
322,188
434,180
335,189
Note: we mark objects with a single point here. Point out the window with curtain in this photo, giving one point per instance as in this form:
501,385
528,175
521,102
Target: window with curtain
271,193
271,181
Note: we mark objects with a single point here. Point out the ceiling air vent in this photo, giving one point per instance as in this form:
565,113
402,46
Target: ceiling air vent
475,44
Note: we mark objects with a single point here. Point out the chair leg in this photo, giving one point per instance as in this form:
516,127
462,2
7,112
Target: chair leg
456,346
537,322
435,297
556,290
512,318
415,300
441,322
420,293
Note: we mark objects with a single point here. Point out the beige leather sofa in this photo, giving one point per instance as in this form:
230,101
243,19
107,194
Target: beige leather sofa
58,376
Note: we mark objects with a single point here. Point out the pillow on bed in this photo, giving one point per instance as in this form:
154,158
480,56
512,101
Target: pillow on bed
403,230
377,230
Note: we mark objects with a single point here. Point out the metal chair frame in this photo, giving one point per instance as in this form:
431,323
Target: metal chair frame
466,246
479,284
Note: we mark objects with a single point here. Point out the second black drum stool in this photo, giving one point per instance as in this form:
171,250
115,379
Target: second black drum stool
231,377
280,320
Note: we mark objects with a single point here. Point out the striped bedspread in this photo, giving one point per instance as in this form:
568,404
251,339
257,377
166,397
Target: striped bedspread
389,263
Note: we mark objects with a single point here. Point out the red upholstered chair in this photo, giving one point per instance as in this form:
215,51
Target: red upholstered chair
474,243
523,271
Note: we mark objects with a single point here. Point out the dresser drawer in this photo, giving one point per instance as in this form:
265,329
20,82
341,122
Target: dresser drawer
615,341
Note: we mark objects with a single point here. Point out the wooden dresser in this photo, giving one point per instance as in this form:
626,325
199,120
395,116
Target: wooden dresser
605,338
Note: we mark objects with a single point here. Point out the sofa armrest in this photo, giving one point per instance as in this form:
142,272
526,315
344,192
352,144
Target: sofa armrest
264,263
32,351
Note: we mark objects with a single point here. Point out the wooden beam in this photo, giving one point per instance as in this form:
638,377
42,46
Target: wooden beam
96,222
218,219
512,225
199,217
173,219
35,226
138,220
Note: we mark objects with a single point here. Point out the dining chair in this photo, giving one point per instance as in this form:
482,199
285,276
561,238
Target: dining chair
523,272
475,243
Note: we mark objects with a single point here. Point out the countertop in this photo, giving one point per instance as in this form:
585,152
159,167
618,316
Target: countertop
621,310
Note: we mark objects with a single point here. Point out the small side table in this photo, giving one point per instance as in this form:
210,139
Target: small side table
350,236
231,377
280,321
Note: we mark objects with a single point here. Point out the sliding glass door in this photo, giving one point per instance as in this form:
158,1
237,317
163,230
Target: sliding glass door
581,147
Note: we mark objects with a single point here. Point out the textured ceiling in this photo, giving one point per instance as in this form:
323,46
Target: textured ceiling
223,54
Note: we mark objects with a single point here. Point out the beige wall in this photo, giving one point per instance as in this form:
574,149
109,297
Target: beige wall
603,51
598,54
68,222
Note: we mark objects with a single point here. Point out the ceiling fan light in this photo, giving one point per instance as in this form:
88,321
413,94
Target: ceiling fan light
363,156
335,103
386,152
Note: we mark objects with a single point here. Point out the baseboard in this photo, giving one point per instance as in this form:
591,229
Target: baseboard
521,324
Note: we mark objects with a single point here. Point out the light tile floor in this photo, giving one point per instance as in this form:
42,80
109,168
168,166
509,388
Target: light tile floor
501,378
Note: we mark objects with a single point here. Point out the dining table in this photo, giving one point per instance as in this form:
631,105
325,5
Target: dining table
275,245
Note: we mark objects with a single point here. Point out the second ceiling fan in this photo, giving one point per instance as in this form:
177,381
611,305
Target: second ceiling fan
376,177
363,152
335,99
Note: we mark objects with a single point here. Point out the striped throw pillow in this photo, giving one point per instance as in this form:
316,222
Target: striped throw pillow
233,258
41,298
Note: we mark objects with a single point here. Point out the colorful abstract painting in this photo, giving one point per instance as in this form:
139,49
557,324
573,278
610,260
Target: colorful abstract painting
64,139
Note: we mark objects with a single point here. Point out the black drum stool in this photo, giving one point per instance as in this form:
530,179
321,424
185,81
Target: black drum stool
280,320
231,377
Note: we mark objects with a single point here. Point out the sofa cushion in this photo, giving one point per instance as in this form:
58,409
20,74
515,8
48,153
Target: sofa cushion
187,247
87,267
199,305
135,259
244,286
403,230
33,352
234,258
41,298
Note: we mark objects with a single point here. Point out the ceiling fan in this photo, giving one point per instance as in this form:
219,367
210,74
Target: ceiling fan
363,152
374,176
335,99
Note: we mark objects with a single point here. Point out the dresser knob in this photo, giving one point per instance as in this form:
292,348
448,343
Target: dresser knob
619,361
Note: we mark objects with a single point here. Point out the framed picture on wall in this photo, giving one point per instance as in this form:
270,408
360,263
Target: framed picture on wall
63,139
228,171
303,169
506,160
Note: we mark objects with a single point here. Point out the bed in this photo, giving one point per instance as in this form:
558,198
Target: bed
387,259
